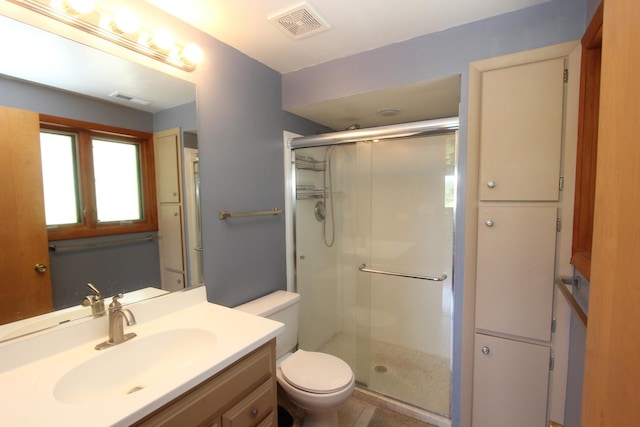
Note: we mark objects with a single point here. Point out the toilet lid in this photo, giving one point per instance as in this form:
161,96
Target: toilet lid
316,372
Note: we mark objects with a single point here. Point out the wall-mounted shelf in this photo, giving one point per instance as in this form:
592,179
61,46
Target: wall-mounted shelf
309,163
306,192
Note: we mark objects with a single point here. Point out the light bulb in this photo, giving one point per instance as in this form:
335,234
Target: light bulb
80,7
192,53
125,21
162,39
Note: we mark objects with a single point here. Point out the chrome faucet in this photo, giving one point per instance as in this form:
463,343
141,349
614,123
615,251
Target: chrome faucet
95,301
117,317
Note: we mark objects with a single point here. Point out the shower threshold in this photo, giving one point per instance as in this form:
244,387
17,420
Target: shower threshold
382,401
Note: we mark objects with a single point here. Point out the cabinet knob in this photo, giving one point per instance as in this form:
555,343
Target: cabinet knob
489,223
486,350
491,184
40,268
254,412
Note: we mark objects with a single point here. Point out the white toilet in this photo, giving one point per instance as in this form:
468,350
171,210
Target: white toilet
318,383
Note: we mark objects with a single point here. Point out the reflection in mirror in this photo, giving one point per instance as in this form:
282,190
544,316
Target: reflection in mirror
64,78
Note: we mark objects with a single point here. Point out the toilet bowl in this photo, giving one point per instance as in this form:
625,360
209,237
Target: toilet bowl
317,383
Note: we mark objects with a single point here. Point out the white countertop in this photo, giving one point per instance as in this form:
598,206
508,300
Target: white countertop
31,366
55,318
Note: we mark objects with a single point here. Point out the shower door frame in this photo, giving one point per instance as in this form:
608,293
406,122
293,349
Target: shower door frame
292,142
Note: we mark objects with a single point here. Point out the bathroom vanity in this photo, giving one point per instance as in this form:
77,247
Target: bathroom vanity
242,395
191,362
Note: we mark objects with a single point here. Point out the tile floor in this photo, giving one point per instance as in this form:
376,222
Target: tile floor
411,376
359,413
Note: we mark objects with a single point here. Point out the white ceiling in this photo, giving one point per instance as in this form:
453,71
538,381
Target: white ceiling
356,25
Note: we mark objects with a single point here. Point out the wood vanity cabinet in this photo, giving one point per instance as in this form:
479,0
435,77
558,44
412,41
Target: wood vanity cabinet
242,395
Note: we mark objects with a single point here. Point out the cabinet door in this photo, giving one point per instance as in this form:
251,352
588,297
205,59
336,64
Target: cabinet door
515,272
252,409
171,240
168,167
510,383
172,281
521,131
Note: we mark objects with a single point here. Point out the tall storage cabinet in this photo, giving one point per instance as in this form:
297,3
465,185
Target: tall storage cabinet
521,129
171,230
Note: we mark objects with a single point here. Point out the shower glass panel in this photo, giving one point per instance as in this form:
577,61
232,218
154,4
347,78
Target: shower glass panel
385,206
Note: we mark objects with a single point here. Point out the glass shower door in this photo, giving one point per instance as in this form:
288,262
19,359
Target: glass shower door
388,207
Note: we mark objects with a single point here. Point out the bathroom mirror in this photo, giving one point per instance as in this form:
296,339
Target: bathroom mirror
41,61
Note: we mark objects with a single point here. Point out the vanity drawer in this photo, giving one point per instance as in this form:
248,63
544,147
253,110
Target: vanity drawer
223,397
252,409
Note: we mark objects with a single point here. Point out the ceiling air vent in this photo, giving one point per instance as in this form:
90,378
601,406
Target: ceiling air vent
127,98
300,22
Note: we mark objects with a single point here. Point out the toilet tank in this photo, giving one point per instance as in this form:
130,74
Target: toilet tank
281,306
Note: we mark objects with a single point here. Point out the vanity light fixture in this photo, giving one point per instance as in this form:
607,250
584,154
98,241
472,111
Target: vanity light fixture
162,40
122,27
76,7
125,22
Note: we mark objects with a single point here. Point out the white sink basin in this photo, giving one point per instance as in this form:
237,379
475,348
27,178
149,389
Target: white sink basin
182,340
134,365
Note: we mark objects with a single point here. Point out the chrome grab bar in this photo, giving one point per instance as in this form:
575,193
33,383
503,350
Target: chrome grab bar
227,214
364,269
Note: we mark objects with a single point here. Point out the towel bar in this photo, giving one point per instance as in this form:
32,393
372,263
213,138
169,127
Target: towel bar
226,214
364,269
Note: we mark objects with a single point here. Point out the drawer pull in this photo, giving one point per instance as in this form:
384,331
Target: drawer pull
254,412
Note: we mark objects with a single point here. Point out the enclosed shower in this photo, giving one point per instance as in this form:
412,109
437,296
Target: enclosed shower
373,236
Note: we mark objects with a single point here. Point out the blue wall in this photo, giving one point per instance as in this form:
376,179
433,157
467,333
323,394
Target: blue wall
437,55
433,56
20,94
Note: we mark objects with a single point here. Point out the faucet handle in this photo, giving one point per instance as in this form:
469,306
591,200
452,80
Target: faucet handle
94,290
115,303
96,301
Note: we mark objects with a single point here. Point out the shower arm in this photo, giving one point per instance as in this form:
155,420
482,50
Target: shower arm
364,269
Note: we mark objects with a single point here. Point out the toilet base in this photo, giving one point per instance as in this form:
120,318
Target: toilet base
304,418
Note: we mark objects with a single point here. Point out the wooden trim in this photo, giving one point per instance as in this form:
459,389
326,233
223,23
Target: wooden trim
586,160
90,226
612,367
64,122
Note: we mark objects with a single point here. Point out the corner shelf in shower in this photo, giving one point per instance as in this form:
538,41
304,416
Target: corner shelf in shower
306,192
309,163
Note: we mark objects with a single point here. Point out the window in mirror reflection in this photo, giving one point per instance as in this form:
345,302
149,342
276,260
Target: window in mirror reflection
117,179
98,180
59,172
